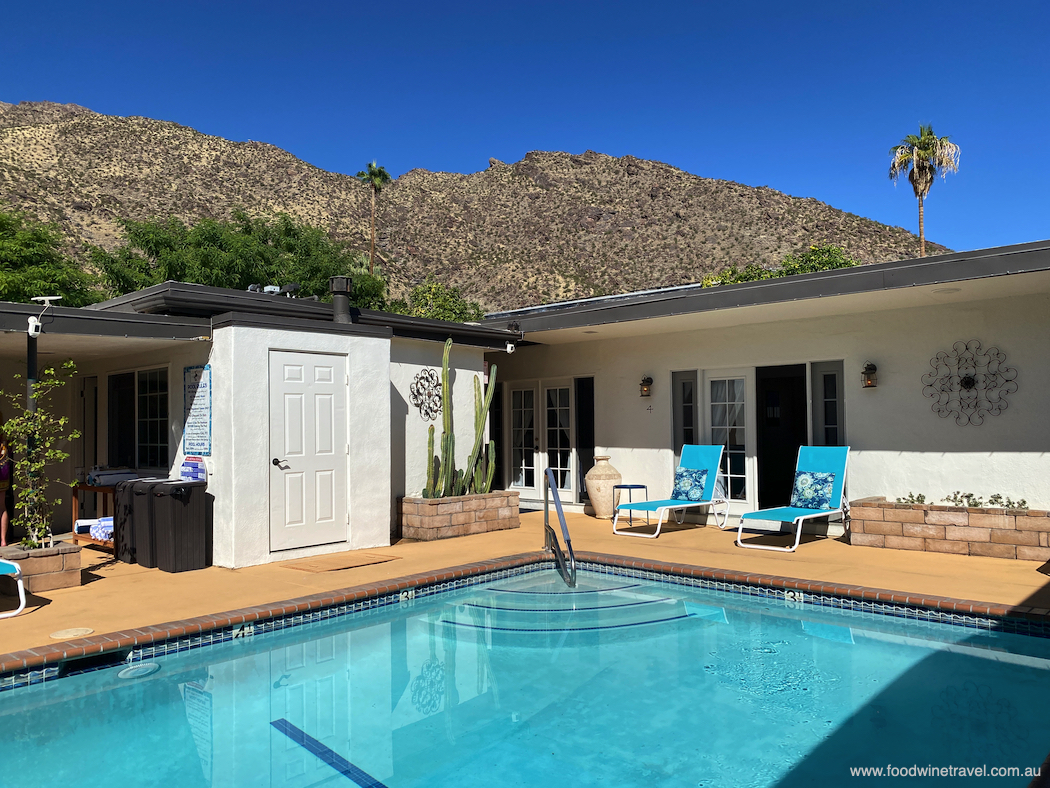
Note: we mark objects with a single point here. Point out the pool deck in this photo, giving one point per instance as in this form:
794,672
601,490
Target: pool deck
128,599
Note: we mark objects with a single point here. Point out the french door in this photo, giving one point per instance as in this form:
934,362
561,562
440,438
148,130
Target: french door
541,437
524,442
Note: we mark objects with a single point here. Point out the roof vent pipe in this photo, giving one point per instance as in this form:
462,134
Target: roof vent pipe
340,287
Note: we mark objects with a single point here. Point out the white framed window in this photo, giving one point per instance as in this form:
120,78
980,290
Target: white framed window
685,410
139,413
828,422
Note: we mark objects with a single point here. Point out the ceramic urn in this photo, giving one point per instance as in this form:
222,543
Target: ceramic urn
600,480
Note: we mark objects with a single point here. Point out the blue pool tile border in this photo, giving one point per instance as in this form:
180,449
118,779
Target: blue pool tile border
1011,625
423,586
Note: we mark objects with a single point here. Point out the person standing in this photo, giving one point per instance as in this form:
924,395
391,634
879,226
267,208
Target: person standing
7,468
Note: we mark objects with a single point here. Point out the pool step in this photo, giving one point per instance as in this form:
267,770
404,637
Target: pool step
543,609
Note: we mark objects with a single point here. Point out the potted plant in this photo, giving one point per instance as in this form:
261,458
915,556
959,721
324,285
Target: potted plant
456,502
35,434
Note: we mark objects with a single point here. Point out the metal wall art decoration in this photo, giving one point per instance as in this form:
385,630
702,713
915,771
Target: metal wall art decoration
425,394
969,383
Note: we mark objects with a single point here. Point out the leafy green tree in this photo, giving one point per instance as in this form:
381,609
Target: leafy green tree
438,301
375,178
820,257
36,438
32,264
238,253
923,157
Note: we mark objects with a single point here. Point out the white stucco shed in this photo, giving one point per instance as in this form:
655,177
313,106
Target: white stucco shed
305,425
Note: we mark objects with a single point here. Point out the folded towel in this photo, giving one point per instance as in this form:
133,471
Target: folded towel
102,531
84,526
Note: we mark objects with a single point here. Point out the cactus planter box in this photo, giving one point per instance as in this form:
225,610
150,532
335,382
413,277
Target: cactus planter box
428,519
457,502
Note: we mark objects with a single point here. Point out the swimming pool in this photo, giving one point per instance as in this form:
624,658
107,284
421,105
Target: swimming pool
522,681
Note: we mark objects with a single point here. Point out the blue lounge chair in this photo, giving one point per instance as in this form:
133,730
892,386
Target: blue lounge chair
820,476
698,462
13,570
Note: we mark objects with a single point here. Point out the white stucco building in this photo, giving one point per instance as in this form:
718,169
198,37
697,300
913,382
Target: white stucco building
767,366
310,434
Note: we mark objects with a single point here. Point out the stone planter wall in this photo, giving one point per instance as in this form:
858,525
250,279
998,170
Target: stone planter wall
43,569
427,519
999,533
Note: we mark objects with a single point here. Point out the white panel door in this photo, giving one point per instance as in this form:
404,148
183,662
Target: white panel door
308,449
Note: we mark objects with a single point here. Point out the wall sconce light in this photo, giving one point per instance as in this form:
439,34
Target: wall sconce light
871,380
646,386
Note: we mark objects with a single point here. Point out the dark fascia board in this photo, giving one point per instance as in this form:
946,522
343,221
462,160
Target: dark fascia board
70,320
688,299
181,298
438,330
278,323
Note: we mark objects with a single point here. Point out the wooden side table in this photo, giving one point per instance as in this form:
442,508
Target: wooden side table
108,497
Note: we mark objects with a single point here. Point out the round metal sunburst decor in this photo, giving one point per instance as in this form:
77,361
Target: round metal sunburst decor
425,394
969,383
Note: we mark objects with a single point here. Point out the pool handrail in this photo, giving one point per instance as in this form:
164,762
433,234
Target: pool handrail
567,569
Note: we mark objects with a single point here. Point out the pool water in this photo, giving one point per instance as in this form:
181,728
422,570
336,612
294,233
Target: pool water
524,682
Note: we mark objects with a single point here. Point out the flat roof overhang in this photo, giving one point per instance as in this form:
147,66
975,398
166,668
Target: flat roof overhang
181,298
85,335
986,274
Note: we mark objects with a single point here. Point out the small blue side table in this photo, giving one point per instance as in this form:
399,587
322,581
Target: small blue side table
630,497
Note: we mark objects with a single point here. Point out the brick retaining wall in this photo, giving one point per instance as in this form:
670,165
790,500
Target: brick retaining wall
427,519
999,533
45,568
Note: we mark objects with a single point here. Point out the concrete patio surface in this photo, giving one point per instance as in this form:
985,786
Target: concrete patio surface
117,596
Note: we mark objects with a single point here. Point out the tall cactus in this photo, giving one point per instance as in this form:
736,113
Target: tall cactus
481,409
433,468
448,437
442,477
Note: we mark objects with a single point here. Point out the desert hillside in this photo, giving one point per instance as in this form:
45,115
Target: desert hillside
549,227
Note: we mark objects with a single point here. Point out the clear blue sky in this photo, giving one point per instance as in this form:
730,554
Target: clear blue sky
806,98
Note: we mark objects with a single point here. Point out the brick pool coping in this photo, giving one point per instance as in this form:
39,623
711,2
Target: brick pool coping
56,653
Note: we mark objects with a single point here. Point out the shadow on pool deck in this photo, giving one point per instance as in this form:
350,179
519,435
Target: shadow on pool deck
119,596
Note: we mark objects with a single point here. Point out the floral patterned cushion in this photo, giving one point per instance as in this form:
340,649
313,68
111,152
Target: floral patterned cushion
812,490
689,484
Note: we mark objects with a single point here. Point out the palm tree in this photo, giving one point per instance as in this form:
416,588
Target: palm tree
923,158
376,178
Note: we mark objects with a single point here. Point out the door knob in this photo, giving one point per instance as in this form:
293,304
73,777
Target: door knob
277,461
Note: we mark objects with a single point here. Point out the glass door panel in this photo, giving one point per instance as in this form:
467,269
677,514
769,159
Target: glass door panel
728,428
559,435
523,438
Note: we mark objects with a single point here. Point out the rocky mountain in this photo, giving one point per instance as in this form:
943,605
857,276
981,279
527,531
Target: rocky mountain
552,226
